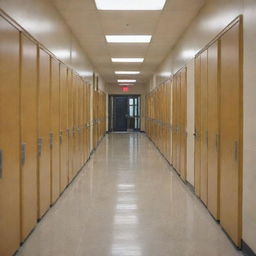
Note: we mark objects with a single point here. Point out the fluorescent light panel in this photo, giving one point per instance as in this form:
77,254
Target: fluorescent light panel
130,4
127,72
126,80
127,59
128,38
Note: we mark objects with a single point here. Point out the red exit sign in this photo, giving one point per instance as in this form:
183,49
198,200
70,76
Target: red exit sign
125,89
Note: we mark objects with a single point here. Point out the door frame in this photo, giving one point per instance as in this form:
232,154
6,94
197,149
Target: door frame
110,109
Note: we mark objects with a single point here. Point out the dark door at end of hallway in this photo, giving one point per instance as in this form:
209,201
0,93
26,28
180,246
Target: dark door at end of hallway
124,113
120,113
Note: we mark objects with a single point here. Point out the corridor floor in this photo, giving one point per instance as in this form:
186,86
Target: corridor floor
127,201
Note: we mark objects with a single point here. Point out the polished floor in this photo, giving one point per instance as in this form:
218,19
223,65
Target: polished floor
127,201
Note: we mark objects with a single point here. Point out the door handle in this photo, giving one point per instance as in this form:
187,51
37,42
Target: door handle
51,139
196,134
23,153
61,137
39,145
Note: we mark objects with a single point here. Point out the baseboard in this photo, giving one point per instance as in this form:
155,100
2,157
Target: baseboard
191,187
247,251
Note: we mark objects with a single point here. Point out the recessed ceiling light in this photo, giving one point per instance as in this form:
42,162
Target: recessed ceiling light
128,38
130,4
127,72
127,59
126,80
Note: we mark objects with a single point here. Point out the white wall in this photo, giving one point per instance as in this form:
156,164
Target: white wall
213,18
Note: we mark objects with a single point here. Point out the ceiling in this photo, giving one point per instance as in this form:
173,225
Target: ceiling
90,26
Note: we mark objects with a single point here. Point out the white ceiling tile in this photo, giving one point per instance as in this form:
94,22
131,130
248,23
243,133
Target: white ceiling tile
181,5
90,27
129,23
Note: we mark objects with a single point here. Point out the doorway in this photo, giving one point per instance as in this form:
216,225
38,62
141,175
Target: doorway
124,113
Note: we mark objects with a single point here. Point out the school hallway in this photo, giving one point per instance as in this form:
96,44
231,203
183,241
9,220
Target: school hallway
128,201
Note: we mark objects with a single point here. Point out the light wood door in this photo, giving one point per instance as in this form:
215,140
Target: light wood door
171,117
80,122
204,131
89,118
70,126
174,123
9,140
178,120
63,128
183,124
85,122
55,130
213,131
44,163
28,120
231,133
75,124
197,133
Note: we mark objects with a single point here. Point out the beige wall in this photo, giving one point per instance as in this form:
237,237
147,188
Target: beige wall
213,17
44,23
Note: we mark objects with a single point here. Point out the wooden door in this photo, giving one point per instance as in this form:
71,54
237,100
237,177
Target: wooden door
55,130
80,123
231,133
85,122
63,128
70,126
9,139
204,131
75,124
28,120
171,117
89,117
197,133
174,124
178,116
213,131
44,163
183,122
